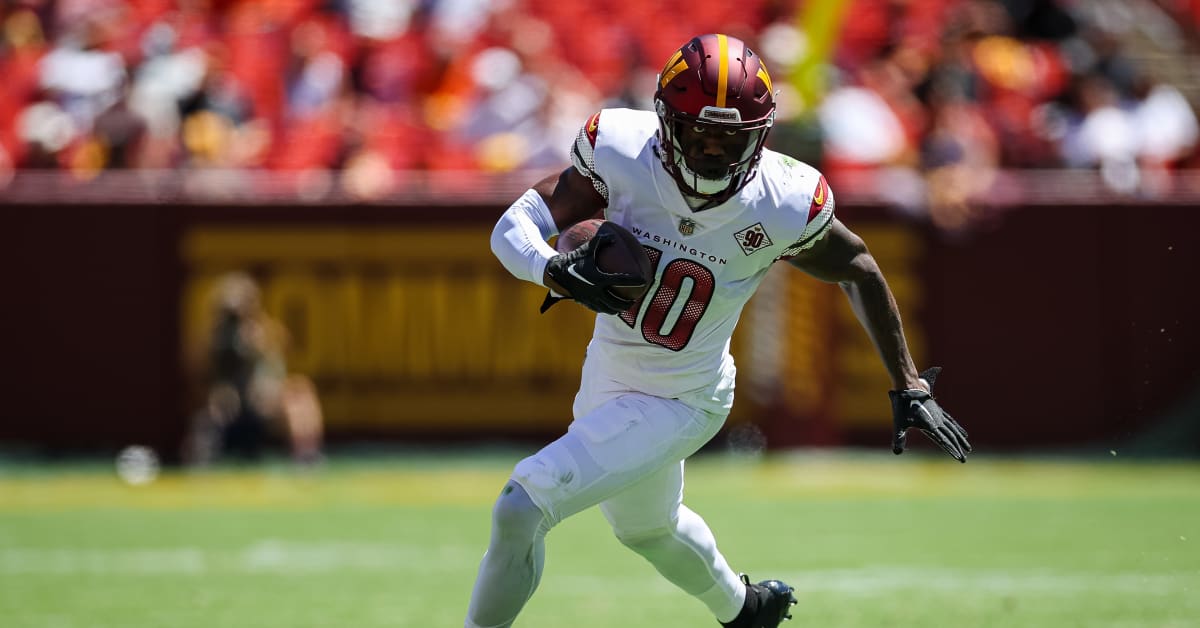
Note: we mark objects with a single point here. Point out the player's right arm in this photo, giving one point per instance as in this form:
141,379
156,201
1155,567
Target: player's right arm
570,197
519,239
551,205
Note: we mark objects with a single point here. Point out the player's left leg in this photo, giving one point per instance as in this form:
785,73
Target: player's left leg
650,519
613,446
616,443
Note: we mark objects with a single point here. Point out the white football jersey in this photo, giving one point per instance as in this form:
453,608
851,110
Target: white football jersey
707,264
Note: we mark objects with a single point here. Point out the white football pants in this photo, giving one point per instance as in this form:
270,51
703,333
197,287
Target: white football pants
625,452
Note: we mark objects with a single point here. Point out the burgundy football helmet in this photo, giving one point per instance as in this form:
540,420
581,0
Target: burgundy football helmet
715,106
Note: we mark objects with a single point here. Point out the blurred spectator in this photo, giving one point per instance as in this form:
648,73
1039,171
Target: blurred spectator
219,128
171,73
250,399
873,121
1105,135
80,75
1165,123
115,141
860,129
21,50
959,154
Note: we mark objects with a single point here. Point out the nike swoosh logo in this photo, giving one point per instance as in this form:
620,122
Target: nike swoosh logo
819,197
571,270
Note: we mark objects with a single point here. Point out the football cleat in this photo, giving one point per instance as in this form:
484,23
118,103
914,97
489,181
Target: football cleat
768,604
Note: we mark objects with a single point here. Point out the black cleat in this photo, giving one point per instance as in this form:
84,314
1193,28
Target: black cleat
768,603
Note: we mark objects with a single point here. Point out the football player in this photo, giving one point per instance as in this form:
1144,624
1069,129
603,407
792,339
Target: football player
714,210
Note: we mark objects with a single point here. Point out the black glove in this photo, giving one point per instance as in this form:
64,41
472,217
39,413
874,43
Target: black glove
917,408
579,275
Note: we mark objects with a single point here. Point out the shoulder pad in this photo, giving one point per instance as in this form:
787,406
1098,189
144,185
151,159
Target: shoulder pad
583,154
820,219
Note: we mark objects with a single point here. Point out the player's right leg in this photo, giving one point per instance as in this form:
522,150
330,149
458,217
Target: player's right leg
512,565
616,444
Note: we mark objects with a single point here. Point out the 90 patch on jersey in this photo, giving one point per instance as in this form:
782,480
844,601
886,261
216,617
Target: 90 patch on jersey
753,238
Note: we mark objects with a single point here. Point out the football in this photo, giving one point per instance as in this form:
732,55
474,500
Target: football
576,235
625,255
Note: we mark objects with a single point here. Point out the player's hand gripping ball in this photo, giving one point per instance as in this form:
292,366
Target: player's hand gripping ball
601,265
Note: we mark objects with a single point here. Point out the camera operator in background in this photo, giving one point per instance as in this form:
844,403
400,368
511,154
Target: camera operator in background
249,398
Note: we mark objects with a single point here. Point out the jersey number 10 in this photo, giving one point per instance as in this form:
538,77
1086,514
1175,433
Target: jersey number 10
663,302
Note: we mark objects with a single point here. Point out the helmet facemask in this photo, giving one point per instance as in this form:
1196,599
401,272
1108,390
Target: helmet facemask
699,175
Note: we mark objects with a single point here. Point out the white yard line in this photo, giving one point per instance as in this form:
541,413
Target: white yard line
267,555
274,556
874,581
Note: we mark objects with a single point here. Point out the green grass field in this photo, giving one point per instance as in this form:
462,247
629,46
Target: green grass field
867,539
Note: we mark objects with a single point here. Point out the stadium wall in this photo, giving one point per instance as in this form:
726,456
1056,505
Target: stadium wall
1058,325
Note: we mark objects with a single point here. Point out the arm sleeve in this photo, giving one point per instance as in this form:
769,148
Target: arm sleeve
519,239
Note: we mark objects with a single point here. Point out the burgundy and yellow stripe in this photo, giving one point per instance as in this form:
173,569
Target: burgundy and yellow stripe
722,69
674,66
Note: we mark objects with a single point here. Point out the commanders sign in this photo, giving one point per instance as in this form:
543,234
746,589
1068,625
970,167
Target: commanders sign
419,329
413,327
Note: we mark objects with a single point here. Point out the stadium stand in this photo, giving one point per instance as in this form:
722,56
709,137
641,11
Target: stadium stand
940,96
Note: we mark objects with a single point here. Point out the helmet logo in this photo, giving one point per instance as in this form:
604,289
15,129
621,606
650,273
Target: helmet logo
674,66
766,78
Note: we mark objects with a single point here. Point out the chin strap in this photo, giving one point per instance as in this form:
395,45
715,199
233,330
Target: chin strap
709,203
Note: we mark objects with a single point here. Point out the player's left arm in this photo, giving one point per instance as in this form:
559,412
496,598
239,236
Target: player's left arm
840,256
